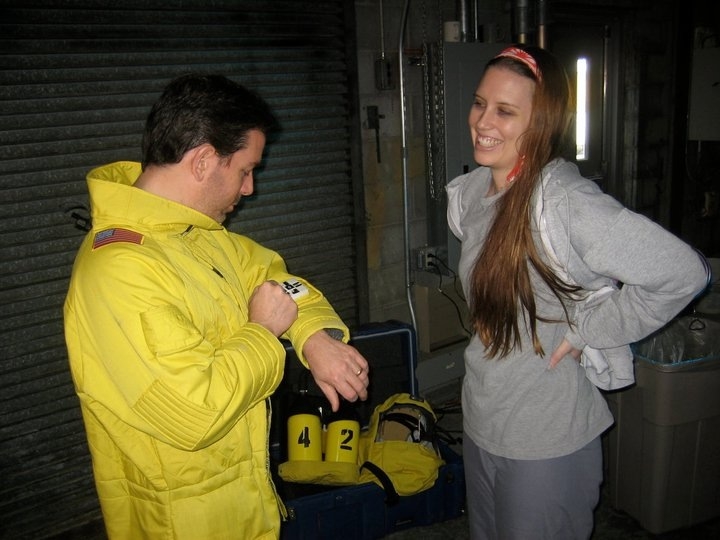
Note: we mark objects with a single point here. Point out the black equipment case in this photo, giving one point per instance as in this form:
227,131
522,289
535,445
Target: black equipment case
360,512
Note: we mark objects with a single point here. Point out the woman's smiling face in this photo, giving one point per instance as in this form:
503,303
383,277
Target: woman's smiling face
500,114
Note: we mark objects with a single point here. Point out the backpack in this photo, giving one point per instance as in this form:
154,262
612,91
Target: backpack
399,451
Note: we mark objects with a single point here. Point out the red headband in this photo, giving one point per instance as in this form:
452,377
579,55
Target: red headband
524,57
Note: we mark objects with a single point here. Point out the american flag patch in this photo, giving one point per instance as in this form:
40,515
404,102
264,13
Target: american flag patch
110,236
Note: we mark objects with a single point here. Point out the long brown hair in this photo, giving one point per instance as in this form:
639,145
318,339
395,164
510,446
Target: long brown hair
501,289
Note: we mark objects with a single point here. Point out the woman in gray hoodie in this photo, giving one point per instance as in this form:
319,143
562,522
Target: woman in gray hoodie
560,278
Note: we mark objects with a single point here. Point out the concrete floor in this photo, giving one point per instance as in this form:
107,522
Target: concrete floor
610,523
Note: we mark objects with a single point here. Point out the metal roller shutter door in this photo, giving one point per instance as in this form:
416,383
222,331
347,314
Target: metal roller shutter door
77,79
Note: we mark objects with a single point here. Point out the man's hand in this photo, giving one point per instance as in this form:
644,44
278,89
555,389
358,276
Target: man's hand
337,368
563,349
271,307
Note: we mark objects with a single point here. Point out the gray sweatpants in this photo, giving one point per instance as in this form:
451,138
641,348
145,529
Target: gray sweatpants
511,499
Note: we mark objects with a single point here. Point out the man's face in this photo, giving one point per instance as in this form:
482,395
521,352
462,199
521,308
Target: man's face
229,181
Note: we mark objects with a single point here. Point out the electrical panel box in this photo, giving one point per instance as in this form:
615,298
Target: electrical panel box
463,65
704,115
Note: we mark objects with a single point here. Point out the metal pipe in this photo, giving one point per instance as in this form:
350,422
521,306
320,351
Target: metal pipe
521,20
382,32
475,22
541,16
462,13
406,203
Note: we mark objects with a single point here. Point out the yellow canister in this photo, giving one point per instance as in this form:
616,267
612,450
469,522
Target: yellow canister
342,441
304,437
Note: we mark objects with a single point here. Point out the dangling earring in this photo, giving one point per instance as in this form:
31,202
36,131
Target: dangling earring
515,170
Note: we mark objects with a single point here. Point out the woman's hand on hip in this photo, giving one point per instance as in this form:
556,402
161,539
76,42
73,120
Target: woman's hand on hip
562,351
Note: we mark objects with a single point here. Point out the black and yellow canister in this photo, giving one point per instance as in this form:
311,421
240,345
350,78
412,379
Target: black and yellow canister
343,435
304,430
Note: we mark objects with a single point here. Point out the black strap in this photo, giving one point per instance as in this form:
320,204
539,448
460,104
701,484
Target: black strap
391,495
409,421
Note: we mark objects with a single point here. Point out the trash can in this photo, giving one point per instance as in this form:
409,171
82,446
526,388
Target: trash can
663,460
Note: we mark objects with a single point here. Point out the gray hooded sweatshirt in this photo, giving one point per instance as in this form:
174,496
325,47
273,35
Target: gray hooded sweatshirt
516,407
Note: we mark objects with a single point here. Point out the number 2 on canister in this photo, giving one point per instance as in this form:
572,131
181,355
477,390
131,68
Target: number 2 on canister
345,443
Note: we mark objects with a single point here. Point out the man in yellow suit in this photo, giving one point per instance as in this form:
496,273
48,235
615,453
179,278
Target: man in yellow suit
172,325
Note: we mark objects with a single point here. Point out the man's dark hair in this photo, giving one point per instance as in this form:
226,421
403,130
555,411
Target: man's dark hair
199,109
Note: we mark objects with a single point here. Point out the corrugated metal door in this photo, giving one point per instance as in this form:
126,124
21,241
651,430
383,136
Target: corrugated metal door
76,82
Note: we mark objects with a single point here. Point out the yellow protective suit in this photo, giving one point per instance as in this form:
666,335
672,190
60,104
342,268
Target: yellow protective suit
172,378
